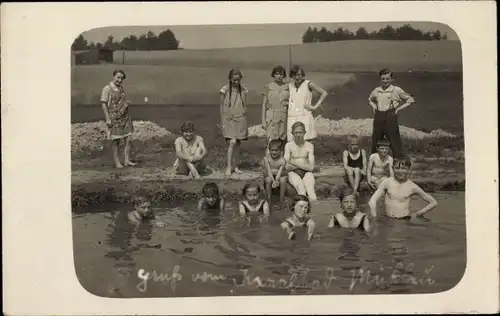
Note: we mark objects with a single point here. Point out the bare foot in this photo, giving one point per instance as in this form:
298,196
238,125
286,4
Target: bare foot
130,163
119,166
237,170
228,172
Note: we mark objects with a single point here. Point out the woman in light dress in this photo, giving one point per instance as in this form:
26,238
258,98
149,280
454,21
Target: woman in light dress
300,108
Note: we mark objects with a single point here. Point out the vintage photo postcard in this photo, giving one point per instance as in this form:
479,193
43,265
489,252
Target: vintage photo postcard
250,158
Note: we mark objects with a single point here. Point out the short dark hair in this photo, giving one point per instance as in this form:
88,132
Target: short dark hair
346,191
187,126
250,185
278,69
211,189
299,198
119,71
295,70
275,143
139,199
384,71
298,124
383,142
405,161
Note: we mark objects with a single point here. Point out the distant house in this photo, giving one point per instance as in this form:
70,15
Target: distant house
92,57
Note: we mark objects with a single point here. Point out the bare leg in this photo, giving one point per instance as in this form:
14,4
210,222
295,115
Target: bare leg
357,178
237,156
269,188
309,184
193,170
282,191
126,152
350,177
297,183
115,143
230,150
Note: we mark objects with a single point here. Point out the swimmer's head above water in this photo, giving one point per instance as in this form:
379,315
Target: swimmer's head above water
348,201
211,193
251,193
142,206
402,168
300,206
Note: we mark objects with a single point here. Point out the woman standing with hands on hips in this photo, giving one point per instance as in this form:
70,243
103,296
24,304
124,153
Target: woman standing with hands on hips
300,108
115,107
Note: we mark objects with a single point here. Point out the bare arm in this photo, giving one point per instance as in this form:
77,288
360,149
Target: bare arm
366,225
222,97
391,170
373,200
431,202
363,153
369,170
180,154
280,171
319,90
268,168
241,209
200,204
222,205
405,97
264,107
344,159
266,209
309,166
331,224
104,103
311,225
203,148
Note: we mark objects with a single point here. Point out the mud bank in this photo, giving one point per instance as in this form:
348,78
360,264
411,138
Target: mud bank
109,186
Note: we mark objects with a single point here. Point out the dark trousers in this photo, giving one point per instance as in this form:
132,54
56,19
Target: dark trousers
386,124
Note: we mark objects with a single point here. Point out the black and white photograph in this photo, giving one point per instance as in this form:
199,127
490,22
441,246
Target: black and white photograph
227,160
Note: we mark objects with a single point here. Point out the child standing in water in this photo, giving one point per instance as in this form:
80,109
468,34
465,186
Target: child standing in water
350,217
252,202
143,212
190,151
398,191
300,108
299,157
300,208
233,111
387,101
275,105
379,165
354,163
116,113
274,170
211,199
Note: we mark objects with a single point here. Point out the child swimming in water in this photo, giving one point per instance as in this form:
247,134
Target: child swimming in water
350,217
300,207
274,173
142,212
398,191
380,165
252,202
211,199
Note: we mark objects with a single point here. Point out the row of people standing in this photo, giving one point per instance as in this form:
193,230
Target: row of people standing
284,103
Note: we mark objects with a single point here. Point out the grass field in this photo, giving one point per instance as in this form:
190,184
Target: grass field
190,92
345,56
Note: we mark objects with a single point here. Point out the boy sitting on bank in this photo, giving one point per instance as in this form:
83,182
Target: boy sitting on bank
274,173
398,191
354,159
190,151
380,165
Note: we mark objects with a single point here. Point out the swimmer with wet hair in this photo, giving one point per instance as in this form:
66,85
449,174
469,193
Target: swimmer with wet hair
301,207
398,191
211,199
351,216
142,212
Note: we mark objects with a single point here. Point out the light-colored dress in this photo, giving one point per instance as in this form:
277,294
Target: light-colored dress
234,113
118,111
276,110
299,98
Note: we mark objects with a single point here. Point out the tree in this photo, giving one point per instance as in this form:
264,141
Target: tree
80,43
167,40
362,33
308,36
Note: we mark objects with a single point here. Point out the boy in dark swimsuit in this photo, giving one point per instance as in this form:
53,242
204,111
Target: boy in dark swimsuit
354,163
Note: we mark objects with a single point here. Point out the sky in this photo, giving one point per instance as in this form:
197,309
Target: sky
227,36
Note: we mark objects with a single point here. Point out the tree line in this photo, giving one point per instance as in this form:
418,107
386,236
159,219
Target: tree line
166,40
405,32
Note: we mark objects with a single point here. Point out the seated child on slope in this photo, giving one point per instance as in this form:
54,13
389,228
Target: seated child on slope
274,173
211,199
300,207
380,165
190,151
350,217
398,191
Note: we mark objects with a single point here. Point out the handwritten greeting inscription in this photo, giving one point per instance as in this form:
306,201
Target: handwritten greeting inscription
298,278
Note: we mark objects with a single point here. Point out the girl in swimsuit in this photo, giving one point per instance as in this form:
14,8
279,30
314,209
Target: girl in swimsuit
350,217
211,199
252,202
299,157
300,208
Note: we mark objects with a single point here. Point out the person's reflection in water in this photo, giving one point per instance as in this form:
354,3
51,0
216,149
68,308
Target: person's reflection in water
350,247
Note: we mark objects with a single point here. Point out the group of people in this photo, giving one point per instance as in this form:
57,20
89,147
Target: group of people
289,155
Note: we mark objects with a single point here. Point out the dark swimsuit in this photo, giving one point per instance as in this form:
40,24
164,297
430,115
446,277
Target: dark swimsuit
260,210
293,226
355,163
360,225
300,172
